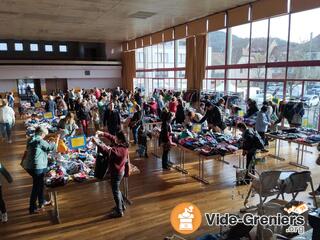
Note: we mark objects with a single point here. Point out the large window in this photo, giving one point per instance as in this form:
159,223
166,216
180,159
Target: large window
161,66
305,36
259,42
278,38
238,44
139,58
181,53
216,51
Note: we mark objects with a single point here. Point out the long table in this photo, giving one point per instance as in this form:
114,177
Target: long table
53,193
201,158
301,149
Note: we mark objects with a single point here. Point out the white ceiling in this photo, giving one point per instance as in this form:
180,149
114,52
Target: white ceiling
99,20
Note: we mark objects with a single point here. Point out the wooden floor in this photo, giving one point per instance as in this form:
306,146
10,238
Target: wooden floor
154,194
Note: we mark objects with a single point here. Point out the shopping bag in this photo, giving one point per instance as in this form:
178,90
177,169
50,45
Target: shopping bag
102,164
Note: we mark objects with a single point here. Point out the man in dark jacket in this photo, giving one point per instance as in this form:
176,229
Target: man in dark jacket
248,146
214,116
112,119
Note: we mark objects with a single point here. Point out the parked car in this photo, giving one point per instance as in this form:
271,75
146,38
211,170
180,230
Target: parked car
310,100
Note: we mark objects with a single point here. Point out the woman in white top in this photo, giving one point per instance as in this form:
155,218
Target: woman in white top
7,120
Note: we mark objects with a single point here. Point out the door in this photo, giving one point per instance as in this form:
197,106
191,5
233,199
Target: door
55,84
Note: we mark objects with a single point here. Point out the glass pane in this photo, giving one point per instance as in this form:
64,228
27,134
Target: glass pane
305,36
258,73
184,84
139,74
256,92
139,58
181,74
311,103
239,44
304,73
18,47
278,38
170,74
154,56
161,83
148,56
160,56
312,88
169,54
34,47
219,85
215,73
166,84
231,86
276,73
216,49
3,47
259,40
294,90
275,91
242,87
238,73
181,53
150,85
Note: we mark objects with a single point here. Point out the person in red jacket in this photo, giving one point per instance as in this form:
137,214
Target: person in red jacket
153,106
118,152
97,93
173,105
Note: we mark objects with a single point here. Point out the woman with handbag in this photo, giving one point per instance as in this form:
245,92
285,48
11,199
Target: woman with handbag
118,158
35,162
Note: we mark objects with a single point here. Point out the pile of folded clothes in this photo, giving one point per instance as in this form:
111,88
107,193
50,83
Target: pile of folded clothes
73,166
32,124
151,119
301,135
209,143
233,120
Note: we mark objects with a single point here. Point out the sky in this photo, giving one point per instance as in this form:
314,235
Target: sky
302,24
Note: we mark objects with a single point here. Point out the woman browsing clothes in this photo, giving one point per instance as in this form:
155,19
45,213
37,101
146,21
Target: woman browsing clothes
35,162
118,156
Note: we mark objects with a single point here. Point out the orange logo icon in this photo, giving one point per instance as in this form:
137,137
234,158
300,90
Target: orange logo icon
186,218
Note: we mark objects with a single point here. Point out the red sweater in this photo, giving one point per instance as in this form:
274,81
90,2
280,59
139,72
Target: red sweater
173,106
118,155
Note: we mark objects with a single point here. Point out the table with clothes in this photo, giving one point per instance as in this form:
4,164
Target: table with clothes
32,123
206,145
303,137
26,110
68,167
233,121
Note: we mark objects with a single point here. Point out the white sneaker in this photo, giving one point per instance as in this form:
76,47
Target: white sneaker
10,141
4,217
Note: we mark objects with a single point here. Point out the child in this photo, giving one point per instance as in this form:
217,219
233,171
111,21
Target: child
143,141
6,174
95,118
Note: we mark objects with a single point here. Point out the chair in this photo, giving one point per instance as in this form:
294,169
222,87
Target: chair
294,184
266,185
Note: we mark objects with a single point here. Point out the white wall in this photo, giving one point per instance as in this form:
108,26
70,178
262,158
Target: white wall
90,83
37,71
100,76
8,85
